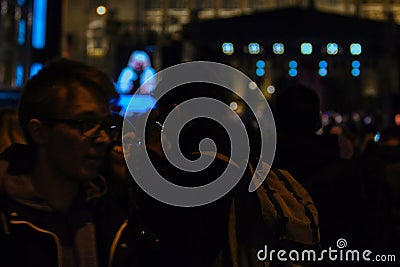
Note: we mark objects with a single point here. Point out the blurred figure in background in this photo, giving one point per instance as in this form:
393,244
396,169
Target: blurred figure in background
10,131
379,166
138,75
314,160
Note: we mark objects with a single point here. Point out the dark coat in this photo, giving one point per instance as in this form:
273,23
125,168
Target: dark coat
33,234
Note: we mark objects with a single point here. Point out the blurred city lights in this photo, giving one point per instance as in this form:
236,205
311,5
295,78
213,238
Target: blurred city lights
293,72
332,48
254,48
397,119
293,64
355,49
228,48
278,48
35,67
306,48
322,72
21,32
233,105
356,64
271,89
260,64
260,72
367,120
323,64
101,10
19,75
355,72
39,24
252,86
377,137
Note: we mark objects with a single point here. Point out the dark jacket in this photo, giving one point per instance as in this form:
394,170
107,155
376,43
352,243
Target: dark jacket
95,232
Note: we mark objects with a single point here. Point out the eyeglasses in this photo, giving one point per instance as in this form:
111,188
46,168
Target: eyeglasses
91,129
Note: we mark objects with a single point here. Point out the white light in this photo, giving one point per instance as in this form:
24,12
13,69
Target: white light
332,48
306,48
101,10
228,48
355,49
254,48
278,48
367,120
252,86
233,105
271,89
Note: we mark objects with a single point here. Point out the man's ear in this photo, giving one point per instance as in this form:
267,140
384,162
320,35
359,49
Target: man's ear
37,131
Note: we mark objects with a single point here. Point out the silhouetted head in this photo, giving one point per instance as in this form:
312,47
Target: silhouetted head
297,110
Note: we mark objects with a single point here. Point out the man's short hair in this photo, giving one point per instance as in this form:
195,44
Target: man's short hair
40,97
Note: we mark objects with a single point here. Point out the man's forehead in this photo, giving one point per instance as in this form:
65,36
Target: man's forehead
83,101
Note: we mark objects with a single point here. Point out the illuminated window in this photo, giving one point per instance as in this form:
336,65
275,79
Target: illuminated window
332,49
35,68
19,75
278,48
39,24
21,32
306,48
228,48
355,49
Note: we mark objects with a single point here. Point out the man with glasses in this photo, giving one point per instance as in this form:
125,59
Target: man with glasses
54,205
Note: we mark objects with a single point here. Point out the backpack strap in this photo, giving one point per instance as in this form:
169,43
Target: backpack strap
307,210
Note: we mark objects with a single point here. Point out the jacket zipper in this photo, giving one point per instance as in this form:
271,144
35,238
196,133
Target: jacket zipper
56,238
115,243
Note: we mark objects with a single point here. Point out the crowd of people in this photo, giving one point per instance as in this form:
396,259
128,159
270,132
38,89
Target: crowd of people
68,198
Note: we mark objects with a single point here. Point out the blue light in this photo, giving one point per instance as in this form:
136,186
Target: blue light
39,23
355,72
228,48
293,72
278,48
260,72
21,32
377,137
356,64
306,48
19,75
292,64
260,64
254,48
322,72
355,49
21,2
323,64
332,48
35,68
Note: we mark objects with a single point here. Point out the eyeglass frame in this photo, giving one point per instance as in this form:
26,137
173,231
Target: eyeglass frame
76,124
